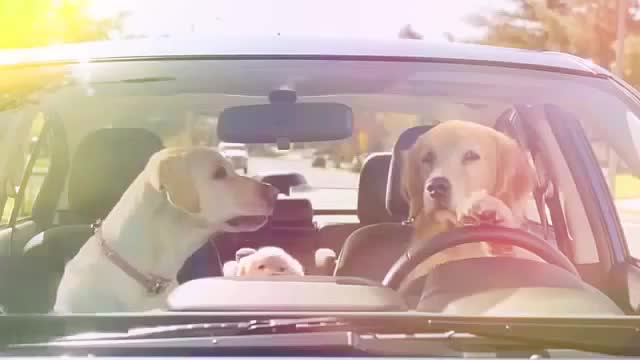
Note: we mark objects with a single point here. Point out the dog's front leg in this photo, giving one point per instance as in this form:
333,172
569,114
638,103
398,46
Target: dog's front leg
481,208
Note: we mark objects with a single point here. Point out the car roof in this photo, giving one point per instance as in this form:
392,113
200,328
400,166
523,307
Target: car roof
295,47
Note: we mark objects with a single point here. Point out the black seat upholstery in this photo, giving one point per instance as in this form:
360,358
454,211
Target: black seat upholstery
395,200
104,164
372,189
292,212
370,251
290,227
371,208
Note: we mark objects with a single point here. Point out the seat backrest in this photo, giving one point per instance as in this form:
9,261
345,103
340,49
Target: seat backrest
103,166
291,227
371,209
396,203
371,251
292,213
40,269
372,189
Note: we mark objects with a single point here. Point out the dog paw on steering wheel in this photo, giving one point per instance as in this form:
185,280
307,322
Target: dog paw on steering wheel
482,208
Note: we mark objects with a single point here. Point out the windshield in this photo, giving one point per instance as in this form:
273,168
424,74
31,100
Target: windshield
83,144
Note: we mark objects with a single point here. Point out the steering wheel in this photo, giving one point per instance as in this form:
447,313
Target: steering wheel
474,234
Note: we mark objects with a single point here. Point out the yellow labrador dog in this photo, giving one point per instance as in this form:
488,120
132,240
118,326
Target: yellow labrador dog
178,201
460,172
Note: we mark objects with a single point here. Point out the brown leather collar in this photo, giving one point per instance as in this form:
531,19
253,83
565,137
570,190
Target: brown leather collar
154,284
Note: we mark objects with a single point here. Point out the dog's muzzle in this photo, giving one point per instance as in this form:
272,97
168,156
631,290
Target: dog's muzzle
439,189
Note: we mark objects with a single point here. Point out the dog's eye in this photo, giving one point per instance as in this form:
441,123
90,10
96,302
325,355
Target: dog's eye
470,156
429,158
220,173
261,267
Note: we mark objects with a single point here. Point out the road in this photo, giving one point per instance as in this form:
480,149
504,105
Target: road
332,188
333,198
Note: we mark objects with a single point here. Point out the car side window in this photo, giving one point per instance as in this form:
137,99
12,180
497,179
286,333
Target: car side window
30,167
625,188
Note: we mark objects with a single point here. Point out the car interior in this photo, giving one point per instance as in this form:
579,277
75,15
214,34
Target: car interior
93,162
108,159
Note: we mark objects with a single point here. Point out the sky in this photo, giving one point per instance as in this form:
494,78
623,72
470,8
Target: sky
341,18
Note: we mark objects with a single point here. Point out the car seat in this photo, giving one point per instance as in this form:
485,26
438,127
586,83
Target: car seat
104,164
290,227
371,209
371,250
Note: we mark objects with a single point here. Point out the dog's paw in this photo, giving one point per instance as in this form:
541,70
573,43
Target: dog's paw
230,268
482,208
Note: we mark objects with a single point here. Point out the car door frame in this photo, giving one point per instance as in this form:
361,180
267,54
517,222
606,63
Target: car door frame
623,277
16,226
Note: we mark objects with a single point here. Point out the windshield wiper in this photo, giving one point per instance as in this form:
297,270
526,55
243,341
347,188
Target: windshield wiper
217,329
610,336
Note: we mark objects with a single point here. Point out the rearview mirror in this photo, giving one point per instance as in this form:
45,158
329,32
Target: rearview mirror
283,123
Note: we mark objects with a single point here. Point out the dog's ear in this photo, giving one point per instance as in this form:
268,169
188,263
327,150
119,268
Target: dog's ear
245,251
244,266
412,181
514,176
170,173
296,266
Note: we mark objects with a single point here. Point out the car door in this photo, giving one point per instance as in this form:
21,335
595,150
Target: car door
26,167
616,270
612,176
624,187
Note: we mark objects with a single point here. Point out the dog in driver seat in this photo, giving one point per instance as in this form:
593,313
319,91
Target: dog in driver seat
461,173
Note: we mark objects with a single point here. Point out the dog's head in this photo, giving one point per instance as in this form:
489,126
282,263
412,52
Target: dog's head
269,261
455,159
202,183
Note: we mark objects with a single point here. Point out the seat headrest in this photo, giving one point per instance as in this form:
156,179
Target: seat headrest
372,189
283,181
292,212
104,165
396,203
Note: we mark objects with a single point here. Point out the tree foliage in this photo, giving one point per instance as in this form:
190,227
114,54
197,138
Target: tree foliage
31,23
586,28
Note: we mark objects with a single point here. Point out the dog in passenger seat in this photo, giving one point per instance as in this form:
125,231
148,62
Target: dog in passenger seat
181,198
266,261
461,173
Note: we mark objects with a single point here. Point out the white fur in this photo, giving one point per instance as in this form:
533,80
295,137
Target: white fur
268,261
156,235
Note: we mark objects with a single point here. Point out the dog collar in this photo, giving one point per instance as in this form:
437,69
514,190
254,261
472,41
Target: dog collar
154,284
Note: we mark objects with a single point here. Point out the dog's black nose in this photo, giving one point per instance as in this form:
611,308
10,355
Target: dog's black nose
270,194
439,188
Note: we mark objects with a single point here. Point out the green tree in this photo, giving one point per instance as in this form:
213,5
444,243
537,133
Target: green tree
586,28
31,23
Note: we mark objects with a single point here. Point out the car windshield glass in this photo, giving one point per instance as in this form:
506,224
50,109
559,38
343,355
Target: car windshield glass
84,140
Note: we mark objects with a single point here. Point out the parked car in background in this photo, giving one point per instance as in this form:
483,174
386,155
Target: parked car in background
238,154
